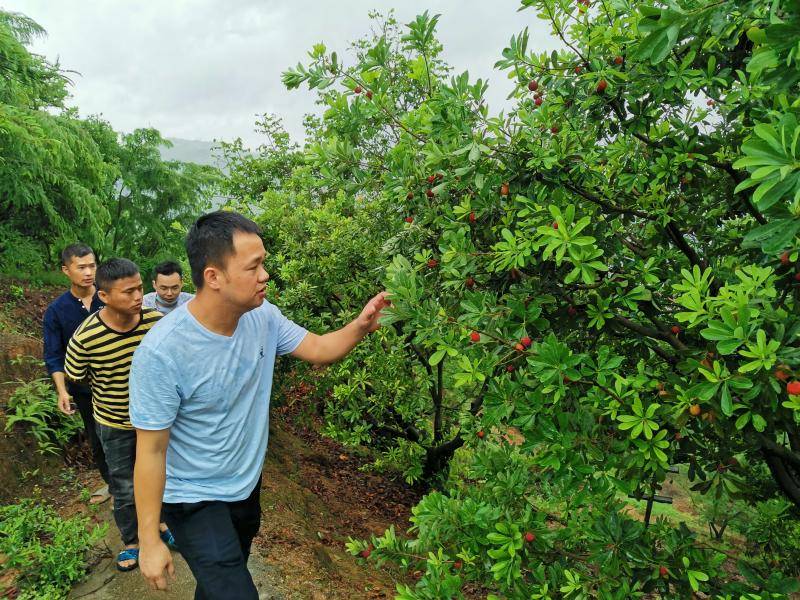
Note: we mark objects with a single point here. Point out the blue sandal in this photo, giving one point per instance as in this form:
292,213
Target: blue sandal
168,539
128,554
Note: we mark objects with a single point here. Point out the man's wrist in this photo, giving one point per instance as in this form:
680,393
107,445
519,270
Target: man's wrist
150,536
362,328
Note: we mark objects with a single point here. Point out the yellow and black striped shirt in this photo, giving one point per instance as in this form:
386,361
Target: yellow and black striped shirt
103,356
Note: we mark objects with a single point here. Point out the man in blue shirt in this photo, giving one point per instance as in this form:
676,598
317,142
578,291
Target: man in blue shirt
61,319
199,400
168,286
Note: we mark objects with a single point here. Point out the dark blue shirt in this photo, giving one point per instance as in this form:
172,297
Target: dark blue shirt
61,319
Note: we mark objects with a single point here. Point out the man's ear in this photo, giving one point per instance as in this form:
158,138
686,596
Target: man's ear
212,277
64,270
103,296
154,284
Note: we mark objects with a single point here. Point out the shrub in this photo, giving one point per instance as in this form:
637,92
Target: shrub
49,553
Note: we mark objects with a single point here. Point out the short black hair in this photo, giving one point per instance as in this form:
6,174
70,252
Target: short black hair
210,240
168,267
77,249
113,270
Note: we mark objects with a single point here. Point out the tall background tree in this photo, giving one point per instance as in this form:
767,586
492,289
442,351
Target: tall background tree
64,178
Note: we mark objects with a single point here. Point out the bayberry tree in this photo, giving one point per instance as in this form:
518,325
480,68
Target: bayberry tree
635,216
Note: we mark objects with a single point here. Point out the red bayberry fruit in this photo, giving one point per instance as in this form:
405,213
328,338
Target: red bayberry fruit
526,341
675,330
410,196
457,565
781,375
472,217
662,571
481,434
357,89
470,282
601,86
529,537
695,410
369,94
429,193
797,276
431,178
618,60
475,336
572,311
519,347
555,225
365,553
533,85
793,387
432,263
504,189
510,368
785,258
578,70
554,129
538,101
409,219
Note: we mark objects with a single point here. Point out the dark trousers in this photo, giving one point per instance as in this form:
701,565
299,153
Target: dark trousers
119,446
82,395
215,537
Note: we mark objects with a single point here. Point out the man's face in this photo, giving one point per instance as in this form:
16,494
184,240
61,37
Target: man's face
125,295
80,270
243,280
168,286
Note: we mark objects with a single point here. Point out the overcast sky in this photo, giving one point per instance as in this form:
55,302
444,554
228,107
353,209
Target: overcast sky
203,69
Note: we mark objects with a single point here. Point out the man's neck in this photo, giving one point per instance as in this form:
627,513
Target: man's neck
82,292
213,314
117,320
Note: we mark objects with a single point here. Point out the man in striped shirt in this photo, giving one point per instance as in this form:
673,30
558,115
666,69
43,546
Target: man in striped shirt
101,351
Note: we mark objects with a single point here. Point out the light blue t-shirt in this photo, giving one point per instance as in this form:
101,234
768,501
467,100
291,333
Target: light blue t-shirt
212,392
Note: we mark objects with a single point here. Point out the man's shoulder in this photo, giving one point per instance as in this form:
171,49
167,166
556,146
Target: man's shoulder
58,302
87,327
149,299
165,334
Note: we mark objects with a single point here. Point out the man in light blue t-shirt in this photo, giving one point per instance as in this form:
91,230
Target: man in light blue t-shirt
168,286
199,399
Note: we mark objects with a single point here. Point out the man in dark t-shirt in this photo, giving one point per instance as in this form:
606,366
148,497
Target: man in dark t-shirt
61,319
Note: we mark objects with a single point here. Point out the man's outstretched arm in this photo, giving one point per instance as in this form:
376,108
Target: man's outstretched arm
149,475
328,348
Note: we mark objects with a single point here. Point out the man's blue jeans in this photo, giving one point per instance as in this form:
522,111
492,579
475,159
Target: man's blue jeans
214,538
119,446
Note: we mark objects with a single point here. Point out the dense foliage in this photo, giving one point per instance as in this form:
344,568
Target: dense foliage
591,287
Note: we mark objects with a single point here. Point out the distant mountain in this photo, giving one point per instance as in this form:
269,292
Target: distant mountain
196,151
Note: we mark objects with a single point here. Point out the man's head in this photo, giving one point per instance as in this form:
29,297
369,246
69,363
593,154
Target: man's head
78,263
227,258
168,281
119,285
